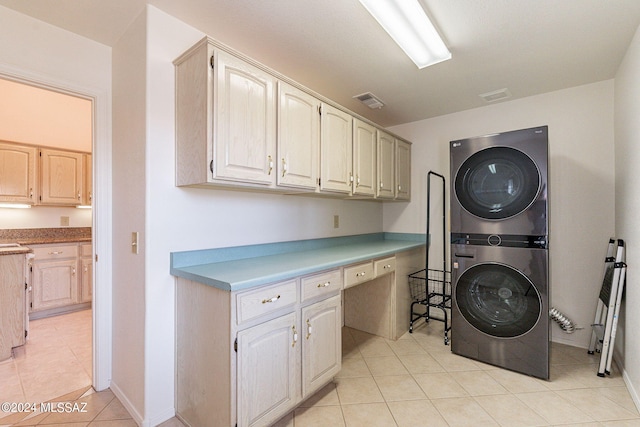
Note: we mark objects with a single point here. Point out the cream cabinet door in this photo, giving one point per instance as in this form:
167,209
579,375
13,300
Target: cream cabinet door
54,284
87,196
336,150
61,174
17,173
298,138
322,344
386,166
403,170
244,144
268,371
86,287
364,158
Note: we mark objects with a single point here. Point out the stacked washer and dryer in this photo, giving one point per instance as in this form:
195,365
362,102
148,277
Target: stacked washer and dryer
499,250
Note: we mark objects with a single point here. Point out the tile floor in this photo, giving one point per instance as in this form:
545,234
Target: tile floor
415,381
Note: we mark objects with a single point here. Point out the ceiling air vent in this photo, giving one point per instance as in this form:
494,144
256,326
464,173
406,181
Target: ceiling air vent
369,100
496,95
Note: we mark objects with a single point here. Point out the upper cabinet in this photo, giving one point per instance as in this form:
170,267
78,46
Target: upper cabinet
364,158
17,173
386,188
62,177
240,124
298,138
336,150
403,170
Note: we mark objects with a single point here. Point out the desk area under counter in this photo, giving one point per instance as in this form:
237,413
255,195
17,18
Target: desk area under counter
259,327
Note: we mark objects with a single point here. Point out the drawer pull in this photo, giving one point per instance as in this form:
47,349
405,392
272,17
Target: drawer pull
324,285
361,274
308,329
387,266
295,336
274,299
55,253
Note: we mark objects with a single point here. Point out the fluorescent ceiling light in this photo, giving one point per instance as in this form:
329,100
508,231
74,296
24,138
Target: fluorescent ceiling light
410,27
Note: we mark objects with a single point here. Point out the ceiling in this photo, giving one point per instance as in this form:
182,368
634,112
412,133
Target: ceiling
337,49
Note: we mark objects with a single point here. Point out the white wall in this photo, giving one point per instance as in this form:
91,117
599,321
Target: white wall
129,187
581,185
627,156
178,219
44,217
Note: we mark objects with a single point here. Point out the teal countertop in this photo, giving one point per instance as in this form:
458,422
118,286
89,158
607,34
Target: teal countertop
244,267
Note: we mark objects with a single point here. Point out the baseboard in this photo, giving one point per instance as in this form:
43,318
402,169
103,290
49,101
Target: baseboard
127,404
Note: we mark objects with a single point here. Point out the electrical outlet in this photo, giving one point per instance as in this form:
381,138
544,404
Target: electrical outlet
64,221
336,221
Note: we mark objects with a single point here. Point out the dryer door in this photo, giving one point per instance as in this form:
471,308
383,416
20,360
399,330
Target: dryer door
497,183
498,300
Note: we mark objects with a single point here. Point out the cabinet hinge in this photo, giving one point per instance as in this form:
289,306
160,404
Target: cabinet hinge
235,347
211,62
211,166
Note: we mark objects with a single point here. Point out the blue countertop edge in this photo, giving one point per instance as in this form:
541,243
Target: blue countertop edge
243,267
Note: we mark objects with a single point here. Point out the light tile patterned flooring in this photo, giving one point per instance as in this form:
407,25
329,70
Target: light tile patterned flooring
415,381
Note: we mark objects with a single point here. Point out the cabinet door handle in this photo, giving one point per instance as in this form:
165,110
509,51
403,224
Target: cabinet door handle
308,329
381,184
73,271
324,285
270,160
284,167
274,299
78,195
295,336
31,193
351,177
357,181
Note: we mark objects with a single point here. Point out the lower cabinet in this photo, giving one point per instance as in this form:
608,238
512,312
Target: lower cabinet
61,277
284,344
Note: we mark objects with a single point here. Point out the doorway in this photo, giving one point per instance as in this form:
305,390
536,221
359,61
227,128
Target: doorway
45,217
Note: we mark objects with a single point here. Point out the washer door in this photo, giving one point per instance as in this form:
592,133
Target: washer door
498,300
497,183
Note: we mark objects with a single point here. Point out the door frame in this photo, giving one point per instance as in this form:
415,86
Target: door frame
101,229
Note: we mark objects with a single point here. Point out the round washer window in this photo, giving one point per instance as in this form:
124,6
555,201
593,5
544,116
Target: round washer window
497,183
498,300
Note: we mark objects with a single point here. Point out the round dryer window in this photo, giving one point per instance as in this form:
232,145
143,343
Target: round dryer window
497,183
498,300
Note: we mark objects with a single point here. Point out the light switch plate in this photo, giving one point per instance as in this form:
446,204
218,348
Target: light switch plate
134,242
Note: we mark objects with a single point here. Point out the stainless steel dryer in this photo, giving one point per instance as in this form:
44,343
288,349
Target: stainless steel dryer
499,183
501,302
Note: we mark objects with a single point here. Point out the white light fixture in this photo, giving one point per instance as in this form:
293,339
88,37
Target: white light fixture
410,27
15,206
83,207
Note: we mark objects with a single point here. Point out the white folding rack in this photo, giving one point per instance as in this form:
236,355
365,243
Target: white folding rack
606,319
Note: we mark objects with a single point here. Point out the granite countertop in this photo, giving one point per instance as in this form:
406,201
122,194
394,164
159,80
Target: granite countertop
36,236
14,250
244,267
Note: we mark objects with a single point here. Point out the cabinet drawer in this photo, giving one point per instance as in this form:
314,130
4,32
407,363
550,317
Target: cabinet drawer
384,266
357,274
85,250
324,283
255,303
55,252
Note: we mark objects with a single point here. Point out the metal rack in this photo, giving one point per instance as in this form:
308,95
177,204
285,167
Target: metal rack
606,320
431,288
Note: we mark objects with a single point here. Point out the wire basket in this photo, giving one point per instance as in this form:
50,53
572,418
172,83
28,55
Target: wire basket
434,288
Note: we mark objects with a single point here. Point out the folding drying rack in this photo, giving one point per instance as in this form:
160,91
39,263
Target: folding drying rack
605,324
431,288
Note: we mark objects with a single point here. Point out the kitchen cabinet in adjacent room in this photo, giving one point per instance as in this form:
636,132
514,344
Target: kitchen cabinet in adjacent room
12,303
86,273
17,173
61,177
54,280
